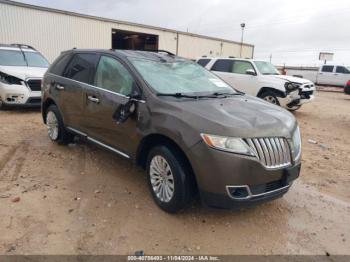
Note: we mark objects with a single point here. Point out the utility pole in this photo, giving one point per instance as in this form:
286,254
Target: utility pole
242,26
270,58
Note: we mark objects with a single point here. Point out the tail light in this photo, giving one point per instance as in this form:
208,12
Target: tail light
348,83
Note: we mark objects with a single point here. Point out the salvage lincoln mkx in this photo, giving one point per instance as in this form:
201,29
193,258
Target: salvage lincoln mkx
191,131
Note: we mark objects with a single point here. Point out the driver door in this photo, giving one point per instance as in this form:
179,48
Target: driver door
113,83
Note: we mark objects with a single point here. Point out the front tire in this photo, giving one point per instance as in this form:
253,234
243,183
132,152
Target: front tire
294,108
270,97
168,179
55,126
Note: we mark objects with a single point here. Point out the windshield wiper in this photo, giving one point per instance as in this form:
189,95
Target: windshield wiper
179,95
237,93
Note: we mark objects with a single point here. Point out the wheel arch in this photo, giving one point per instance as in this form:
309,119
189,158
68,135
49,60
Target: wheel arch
152,140
278,93
45,105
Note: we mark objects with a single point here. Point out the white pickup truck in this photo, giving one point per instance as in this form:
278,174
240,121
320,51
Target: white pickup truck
261,79
334,75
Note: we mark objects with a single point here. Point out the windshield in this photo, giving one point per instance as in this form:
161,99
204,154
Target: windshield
266,68
16,58
183,77
36,59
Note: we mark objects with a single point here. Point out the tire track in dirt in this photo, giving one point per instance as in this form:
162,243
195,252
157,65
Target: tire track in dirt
11,165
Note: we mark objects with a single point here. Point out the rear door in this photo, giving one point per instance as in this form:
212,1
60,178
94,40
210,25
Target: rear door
76,75
326,75
234,73
223,69
113,84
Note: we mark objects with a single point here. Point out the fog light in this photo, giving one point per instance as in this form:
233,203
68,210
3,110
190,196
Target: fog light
238,192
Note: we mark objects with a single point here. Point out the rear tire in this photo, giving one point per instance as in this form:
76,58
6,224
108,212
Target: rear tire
55,126
168,179
270,97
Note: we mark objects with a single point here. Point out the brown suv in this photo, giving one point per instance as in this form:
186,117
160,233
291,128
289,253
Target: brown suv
189,129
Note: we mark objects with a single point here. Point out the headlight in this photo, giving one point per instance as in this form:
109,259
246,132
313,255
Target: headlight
291,86
9,80
230,144
296,140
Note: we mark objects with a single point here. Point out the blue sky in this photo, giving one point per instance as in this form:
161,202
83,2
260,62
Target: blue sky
294,32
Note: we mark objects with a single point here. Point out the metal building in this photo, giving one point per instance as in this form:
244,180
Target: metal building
52,31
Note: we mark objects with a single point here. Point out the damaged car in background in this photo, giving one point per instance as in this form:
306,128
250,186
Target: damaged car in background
21,71
262,79
188,129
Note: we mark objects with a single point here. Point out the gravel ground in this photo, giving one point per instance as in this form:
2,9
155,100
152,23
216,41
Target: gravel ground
80,199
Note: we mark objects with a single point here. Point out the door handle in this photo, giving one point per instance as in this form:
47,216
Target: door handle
94,99
59,87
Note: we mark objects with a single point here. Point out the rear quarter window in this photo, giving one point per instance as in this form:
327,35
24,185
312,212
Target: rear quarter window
203,62
81,68
60,64
327,69
223,65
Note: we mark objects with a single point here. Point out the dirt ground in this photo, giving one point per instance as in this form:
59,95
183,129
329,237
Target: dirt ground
81,199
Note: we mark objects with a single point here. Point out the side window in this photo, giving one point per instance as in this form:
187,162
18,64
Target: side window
240,67
113,76
223,65
327,69
58,66
203,62
81,67
342,70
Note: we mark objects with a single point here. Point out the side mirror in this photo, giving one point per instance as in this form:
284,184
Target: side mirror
135,95
124,111
250,72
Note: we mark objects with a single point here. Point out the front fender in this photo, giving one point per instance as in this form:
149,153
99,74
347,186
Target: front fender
175,128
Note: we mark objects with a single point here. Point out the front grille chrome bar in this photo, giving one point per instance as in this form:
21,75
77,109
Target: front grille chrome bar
272,152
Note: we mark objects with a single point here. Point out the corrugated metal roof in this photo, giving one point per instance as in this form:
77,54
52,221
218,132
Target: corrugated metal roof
47,9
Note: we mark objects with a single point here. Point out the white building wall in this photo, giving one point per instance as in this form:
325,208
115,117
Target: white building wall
52,32
194,47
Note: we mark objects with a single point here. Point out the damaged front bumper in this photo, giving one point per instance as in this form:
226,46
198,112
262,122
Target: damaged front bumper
298,97
18,95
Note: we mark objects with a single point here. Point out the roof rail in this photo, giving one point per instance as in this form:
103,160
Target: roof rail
163,51
23,45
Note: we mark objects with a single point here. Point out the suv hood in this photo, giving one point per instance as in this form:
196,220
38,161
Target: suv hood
23,72
238,116
292,79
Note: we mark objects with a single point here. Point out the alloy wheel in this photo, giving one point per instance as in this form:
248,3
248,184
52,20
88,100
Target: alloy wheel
162,179
271,99
52,125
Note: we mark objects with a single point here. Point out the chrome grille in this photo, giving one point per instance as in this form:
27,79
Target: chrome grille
272,152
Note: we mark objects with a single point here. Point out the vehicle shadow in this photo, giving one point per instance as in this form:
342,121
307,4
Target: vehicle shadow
21,109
